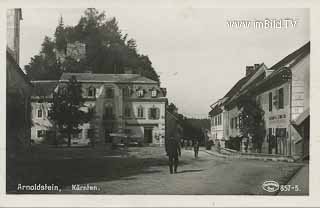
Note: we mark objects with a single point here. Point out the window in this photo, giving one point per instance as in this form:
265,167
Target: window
231,123
108,113
126,91
280,97
140,93
154,113
240,121
236,122
63,90
40,133
90,133
39,113
127,112
140,112
270,101
49,113
154,93
109,93
91,109
91,92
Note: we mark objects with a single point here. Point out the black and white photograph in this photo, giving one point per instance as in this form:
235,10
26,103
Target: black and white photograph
157,101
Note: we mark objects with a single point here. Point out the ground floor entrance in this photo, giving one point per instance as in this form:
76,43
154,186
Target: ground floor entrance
148,135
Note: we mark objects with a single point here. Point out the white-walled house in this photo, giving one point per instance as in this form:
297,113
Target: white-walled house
285,99
128,105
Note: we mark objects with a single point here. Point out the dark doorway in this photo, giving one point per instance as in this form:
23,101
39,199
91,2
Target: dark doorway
147,135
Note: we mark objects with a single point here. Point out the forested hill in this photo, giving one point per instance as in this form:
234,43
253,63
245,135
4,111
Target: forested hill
95,44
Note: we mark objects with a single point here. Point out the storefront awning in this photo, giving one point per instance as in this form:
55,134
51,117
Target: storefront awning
301,117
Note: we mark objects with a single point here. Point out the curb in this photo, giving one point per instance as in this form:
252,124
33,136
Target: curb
256,157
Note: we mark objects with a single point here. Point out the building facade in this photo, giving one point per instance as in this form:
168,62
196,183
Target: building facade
18,90
14,16
125,106
285,99
283,92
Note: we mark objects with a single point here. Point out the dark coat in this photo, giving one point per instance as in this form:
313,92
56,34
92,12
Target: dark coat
173,148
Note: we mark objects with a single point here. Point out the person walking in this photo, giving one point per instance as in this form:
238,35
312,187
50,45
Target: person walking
173,151
196,148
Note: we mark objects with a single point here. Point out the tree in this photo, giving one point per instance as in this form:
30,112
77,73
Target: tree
252,121
44,66
66,109
60,36
108,51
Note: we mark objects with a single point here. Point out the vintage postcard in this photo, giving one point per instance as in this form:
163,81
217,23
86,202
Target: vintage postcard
157,101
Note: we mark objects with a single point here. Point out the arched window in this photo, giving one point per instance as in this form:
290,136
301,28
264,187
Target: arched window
109,93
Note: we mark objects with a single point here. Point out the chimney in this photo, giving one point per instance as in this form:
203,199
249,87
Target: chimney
249,70
256,66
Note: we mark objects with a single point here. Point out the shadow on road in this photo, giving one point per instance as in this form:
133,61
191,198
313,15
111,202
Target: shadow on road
64,172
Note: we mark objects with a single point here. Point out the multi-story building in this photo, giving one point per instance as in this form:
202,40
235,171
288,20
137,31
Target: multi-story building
18,119
41,101
225,119
125,105
283,92
284,96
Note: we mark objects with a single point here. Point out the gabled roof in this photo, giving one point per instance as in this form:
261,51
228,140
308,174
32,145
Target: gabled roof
17,67
113,78
215,111
44,87
291,58
283,66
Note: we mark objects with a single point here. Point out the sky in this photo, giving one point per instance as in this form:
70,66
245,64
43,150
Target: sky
198,56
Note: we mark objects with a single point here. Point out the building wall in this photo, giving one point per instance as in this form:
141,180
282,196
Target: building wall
103,124
18,107
277,118
138,125
233,129
300,87
300,103
13,32
41,123
217,127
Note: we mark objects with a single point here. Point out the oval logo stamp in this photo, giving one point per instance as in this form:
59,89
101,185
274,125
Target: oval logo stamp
270,186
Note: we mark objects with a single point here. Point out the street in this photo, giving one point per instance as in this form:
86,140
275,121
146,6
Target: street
207,174
144,170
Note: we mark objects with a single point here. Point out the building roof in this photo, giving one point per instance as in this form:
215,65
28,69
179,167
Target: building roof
44,87
231,93
281,68
215,111
114,78
288,60
17,67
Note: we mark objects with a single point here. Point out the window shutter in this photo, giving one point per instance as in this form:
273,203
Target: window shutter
149,113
